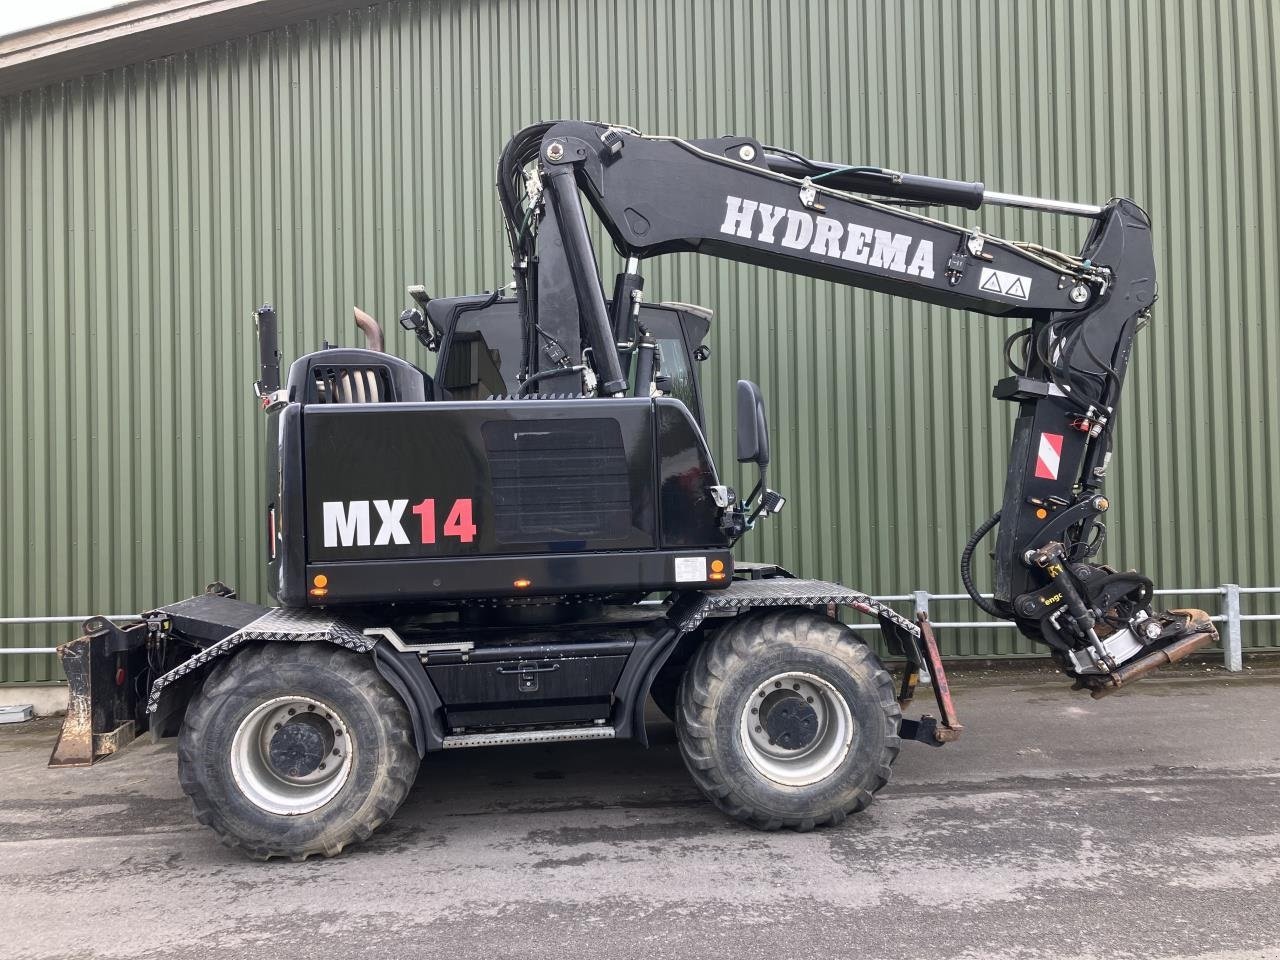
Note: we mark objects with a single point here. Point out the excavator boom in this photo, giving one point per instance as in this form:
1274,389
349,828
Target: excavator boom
738,199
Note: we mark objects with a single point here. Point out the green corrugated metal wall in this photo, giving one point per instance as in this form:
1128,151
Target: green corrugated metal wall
144,212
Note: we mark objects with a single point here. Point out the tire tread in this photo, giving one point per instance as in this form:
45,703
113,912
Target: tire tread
390,788
729,650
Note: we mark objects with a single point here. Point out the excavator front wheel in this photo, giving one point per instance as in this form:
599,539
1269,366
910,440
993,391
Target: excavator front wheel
787,720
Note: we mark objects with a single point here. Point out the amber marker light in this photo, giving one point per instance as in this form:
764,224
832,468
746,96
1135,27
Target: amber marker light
522,584
319,585
717,570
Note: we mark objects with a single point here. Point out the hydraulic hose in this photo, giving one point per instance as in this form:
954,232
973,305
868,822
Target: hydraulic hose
550,372
966,567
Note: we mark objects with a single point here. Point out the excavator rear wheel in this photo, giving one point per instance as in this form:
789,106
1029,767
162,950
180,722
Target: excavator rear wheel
786,720
296,750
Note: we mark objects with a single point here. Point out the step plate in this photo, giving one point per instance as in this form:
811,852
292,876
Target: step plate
460,740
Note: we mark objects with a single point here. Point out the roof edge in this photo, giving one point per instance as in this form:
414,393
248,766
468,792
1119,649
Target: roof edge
140,31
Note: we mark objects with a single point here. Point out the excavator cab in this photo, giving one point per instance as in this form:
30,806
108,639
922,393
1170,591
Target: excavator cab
480,347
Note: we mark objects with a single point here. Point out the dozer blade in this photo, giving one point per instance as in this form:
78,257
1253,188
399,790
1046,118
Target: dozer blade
109,673
1186,631
104,669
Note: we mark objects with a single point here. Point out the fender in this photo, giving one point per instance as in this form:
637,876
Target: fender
171,691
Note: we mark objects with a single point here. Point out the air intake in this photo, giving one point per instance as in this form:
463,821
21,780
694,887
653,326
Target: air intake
349,383
561,481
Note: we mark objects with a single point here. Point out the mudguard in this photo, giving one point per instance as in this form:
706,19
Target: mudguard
278,624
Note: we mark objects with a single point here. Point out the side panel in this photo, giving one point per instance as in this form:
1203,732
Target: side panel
686,475
452,500
428,481
551,690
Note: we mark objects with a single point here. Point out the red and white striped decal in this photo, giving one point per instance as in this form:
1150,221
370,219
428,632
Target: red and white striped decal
1049,456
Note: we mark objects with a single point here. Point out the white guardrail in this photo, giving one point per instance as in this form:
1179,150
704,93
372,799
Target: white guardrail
1230,615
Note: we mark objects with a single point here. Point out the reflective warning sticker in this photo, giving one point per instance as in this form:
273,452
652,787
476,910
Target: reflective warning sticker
1049,456
1008,284
691,569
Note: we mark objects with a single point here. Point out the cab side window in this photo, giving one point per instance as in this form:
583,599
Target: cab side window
676,367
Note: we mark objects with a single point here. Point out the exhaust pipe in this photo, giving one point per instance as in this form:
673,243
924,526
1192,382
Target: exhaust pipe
1204,633
372,332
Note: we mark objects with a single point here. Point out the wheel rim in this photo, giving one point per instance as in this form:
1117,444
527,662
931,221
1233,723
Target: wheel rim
291,755
796,728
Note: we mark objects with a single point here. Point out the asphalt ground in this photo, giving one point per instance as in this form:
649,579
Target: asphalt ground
1145,825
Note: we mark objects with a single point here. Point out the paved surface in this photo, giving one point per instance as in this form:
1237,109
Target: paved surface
1146,825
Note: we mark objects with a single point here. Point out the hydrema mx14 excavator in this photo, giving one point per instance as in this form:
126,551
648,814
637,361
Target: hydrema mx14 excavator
527,545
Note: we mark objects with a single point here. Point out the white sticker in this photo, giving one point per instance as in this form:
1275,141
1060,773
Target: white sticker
691,569
1009,284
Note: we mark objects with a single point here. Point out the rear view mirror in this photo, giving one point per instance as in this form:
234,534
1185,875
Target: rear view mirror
753,447
753,426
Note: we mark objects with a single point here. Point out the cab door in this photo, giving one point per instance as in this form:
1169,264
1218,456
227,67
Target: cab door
680,330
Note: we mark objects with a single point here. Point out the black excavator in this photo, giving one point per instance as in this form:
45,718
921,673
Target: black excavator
530,543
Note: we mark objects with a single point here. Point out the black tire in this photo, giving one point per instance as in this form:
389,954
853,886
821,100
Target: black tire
723,681
383,763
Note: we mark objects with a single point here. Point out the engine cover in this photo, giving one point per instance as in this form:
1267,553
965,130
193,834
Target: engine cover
490,499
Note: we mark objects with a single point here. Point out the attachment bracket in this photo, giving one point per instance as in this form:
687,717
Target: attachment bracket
928,729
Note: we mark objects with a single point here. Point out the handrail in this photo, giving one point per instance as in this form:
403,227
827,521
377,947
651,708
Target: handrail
1232,640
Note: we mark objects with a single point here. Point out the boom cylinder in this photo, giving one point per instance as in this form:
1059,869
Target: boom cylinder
970,194
998,199
582,265
627,291
887,183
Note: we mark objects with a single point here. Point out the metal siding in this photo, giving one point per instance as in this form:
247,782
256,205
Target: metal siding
145,211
